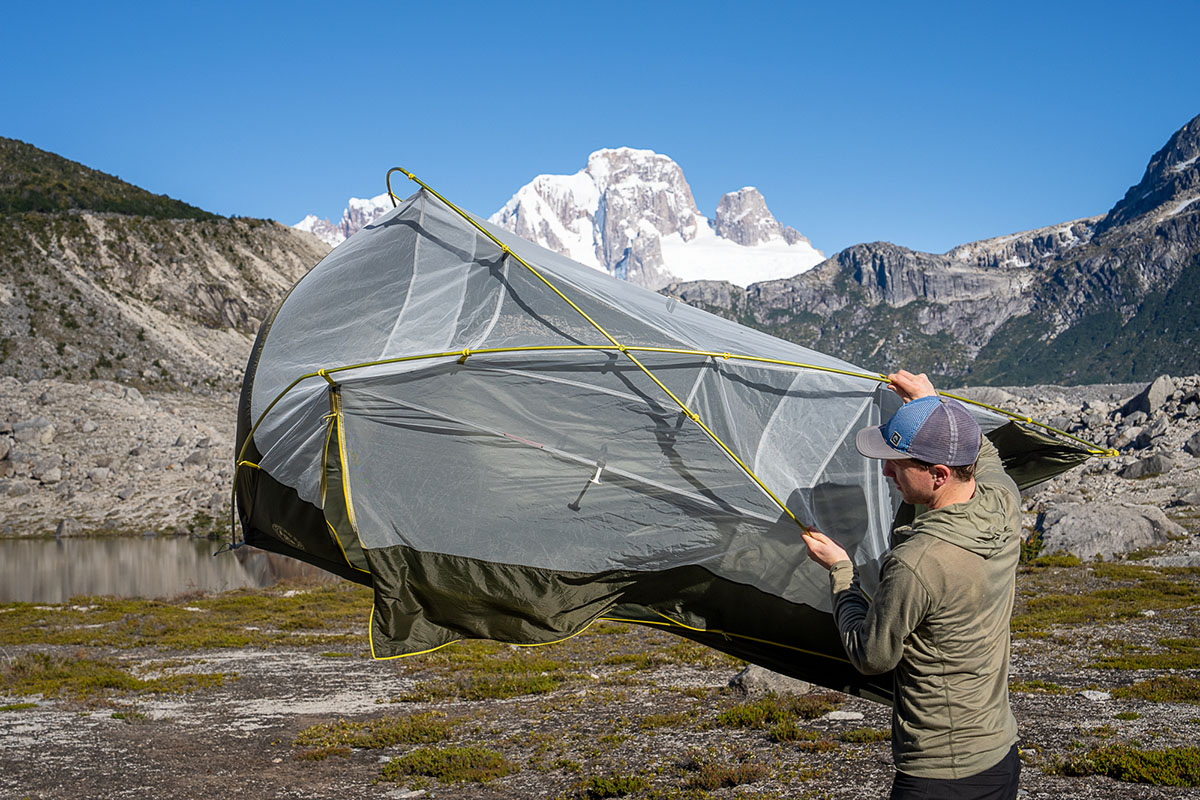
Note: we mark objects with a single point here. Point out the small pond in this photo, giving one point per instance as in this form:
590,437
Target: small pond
55,570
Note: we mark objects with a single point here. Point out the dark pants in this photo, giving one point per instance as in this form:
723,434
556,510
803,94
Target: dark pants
997,783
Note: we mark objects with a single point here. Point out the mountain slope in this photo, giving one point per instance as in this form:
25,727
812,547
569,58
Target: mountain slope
1100,299
152,301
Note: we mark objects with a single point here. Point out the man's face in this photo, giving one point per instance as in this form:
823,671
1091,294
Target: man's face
913,480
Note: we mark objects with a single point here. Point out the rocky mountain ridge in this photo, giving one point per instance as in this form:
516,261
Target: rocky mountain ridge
359,213
1101,298
631,213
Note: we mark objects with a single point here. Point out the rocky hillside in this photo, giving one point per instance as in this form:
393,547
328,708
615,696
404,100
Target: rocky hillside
152,301
1099,299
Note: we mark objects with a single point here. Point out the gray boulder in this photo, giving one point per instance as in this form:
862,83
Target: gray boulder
1192,445
1187,497
1152,398
1125,437
1092,529
990,395
47,469
38,430
1146,467
755,680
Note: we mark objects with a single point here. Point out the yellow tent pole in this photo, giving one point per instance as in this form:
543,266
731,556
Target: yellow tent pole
613,345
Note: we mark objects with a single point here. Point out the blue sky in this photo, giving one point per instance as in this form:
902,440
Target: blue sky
925,124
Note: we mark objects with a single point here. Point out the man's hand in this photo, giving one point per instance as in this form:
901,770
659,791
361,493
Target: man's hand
823,550
911,387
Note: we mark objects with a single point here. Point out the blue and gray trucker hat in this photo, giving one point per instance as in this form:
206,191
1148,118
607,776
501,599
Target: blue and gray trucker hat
928,429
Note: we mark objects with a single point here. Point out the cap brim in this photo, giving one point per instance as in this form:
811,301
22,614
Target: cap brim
870,443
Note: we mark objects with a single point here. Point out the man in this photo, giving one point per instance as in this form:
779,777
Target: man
940,615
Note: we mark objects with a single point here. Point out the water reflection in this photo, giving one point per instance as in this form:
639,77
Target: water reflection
55,570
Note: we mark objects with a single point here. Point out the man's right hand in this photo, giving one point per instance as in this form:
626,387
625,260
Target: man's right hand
822,549
911,387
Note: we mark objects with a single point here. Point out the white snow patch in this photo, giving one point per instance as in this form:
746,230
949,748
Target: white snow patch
1180,167
1179,208
709,257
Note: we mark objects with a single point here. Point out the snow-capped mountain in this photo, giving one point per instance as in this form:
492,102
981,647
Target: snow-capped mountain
358,214
631,213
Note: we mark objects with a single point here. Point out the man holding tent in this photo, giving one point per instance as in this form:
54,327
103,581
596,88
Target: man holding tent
940,616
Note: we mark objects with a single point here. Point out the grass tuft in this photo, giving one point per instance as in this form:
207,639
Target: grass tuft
377,733
449,765
1163,689
774,709
1037,687
865,735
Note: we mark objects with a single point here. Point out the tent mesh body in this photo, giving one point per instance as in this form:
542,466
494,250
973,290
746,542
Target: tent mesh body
519,495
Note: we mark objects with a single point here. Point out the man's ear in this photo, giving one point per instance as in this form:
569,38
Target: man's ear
941,475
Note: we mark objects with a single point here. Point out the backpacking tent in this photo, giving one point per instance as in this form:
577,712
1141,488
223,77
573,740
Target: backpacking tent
507,444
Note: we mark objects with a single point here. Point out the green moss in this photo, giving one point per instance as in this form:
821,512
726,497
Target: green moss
449,765
129,716
90,679
674,719
18,706
1176,654
1056,597
485,687
1037,687
805,740
1163,689
322,753
1055,560
711,770
713,776
597,787
1127,715
1179,766
244,618
773,709
377,733
865,735
488,670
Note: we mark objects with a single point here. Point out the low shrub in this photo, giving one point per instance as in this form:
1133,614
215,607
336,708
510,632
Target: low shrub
1163,689
597,787
1177,766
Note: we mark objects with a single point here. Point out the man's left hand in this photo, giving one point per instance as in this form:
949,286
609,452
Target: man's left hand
823,550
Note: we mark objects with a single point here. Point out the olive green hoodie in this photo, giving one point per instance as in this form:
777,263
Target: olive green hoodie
940,618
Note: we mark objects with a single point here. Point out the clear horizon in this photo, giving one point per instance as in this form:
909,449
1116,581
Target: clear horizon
926,125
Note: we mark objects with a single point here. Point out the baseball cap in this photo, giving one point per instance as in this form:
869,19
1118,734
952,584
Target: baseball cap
928,429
